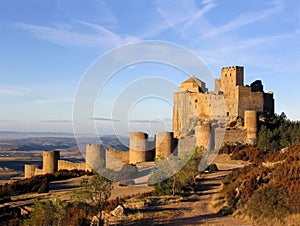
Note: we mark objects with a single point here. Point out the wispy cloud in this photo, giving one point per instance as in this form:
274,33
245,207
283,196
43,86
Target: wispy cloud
57,121
246,18
145,121
66,36
13,91
53,101
104,119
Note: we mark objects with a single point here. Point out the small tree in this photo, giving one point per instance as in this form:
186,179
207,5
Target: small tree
47,213
95,191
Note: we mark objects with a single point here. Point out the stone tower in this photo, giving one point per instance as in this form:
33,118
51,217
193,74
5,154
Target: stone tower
251,126
138,147
29,170
164,144
50,161
203,135
231,78
95,157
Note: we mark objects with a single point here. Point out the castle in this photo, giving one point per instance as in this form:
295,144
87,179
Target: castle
197,114
230,99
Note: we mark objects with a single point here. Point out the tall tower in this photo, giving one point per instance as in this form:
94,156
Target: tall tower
95,157
138,147
164,144
231,78
251,126
50,161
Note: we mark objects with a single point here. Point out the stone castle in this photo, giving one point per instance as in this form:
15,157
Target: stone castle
235,107
236,103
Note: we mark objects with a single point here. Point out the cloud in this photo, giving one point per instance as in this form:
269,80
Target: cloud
57,121
54,101
13,91
66,36
245,19
145,121
104,119
183,15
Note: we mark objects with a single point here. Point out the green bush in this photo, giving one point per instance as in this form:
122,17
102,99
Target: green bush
267,203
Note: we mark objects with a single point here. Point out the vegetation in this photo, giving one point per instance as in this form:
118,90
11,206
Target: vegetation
183,180
278,132
38,183
268,190
274,188
95,192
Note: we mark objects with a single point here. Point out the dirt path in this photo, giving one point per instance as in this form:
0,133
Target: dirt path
197,209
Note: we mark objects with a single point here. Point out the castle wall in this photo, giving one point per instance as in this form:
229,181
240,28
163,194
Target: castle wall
269,108
67,165
164,144
122,156
39,171
29,170
251,126
216,105
95,157
138,147
50,159
249,100
234,136
188,107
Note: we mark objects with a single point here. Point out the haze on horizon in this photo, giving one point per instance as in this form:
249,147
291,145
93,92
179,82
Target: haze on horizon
47,46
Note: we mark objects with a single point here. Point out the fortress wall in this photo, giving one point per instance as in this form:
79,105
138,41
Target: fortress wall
269,103
251,126
182,112
50,159
234,136
257,101
67,165
38,171
95,157
122,156
243,99
138,147
163,144
29,170
216,105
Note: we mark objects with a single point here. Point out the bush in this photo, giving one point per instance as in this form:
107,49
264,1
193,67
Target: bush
267,203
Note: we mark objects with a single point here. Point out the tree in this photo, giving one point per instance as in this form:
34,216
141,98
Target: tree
94,191
46,213
176,176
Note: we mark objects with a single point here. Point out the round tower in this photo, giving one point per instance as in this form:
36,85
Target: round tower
202,134
164,143
138,147
95,157
251,126
29,170
50,161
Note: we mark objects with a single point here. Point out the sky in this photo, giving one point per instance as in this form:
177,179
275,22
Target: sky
48,46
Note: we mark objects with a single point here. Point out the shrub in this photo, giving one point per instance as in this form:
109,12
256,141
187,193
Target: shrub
267,203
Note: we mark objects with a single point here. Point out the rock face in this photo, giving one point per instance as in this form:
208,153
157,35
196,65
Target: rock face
118,211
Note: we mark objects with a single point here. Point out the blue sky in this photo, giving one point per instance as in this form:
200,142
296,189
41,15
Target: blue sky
46,46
